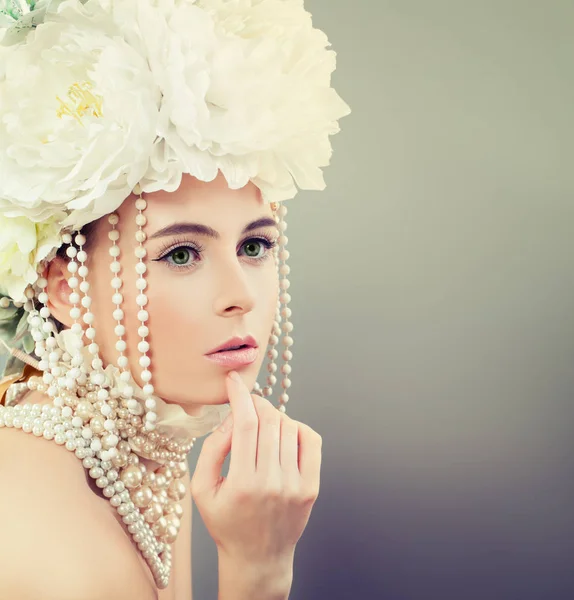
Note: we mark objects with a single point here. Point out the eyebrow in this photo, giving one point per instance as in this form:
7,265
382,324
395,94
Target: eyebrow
199,229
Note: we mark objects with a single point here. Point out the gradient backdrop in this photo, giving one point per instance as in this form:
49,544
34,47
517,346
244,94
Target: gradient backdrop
433,304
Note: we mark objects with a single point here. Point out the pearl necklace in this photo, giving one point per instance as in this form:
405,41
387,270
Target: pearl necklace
147,501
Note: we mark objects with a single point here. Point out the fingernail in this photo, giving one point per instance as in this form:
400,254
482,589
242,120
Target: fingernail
235,376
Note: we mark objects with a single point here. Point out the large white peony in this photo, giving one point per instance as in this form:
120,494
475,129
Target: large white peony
97,96
78,114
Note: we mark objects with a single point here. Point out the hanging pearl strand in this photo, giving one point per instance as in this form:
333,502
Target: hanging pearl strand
284,299
143,315
117,298
272,353
282,314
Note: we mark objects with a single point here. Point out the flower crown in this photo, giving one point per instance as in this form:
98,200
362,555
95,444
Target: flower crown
141,92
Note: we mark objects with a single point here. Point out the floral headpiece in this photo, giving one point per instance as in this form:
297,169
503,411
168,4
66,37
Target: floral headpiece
141,92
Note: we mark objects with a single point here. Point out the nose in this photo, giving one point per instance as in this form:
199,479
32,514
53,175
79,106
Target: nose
235,295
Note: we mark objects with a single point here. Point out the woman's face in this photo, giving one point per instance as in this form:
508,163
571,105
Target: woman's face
202,289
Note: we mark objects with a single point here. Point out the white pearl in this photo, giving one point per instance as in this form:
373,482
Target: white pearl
80,239
118,314
82,256
144,361
73,282
83,272
88,318
115,267
43,297
121,346
143,346
148,389
143,316
140,236
146,375
141,268
117,298
86,302
91,333
71,252
140,252
141,284
114,235
113,219
140,202
123,362
85,287
116,283
114,251
141,300
119,330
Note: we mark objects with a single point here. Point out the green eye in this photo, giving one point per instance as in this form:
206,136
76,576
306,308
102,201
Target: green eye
181,256
252,248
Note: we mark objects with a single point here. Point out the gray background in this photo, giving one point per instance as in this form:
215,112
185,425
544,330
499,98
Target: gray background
433,303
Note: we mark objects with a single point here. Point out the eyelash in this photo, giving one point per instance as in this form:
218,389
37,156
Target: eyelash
197,249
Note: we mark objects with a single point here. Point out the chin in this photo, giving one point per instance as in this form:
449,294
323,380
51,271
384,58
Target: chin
212,390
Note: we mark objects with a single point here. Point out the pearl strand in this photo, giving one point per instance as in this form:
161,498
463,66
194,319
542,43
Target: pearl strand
117,298
143,315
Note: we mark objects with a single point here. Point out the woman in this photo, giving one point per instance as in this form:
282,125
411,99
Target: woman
143,267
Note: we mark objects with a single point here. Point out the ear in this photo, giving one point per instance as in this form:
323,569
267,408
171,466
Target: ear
59,291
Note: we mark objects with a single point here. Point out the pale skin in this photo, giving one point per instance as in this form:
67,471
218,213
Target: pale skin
258,513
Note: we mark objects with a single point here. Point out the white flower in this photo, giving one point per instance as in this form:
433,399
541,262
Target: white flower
23,246
17,17
78,113
246,90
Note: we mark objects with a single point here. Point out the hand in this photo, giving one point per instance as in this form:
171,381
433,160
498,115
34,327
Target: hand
258,513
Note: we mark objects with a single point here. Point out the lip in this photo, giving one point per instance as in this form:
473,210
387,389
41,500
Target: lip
234,359
235,341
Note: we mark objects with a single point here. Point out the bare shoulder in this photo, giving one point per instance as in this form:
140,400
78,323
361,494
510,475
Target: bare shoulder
59,539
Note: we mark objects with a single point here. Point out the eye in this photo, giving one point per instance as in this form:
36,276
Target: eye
258,248
180,255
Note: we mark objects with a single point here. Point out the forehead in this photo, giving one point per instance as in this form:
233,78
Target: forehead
211,203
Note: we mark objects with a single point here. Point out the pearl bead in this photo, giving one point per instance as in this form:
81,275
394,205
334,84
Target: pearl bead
153,512
131,476
142,496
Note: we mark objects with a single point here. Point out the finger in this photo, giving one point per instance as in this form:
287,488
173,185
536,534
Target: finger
267,461
310,445
245,427
289,447
216,447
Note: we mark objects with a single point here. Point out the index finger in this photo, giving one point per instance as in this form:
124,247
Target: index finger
245,426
